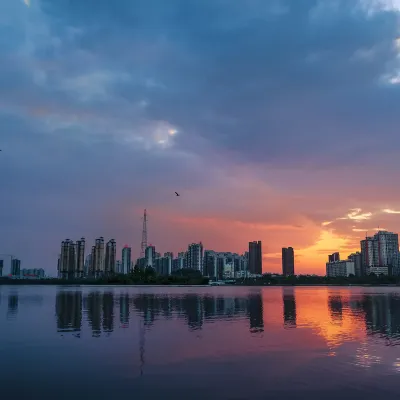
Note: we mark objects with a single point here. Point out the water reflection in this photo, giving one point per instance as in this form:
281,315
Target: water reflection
12,305
347,317
289,308
210,337
336,308
69,311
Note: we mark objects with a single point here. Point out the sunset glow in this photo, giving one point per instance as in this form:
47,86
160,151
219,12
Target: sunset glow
291,141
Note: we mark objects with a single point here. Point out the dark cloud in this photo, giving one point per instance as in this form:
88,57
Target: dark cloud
89,91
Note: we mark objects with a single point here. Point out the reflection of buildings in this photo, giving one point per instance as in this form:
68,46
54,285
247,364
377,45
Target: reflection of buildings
108,312
255,313
196,309
13,304
335,305
92,304
382,317
124,310
69,311
289,308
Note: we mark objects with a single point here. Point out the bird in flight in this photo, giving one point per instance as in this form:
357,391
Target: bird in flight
177,193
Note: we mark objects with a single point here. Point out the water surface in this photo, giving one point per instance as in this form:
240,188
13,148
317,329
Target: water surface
199,343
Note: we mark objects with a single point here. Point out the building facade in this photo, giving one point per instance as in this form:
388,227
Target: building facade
79,271
110,258
97,266
379,253
340,268
15,267
194,256
334,257
126,260
287,261
357,259
255,258
150,256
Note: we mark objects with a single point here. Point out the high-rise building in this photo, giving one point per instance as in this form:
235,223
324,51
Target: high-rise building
15,267
179,262
334,257
110,257
150,256
194,257
67,259
98,258
379,254
287,261
118,267
80,258
88,261
126,259
220,265
357,259
163,265
255,258
1,267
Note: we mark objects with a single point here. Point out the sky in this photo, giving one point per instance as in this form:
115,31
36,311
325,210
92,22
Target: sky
275,120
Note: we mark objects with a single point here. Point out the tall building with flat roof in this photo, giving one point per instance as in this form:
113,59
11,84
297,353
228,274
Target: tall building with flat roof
194,257
15,267
255,258
110,257
126,259
380,252
80,258
97,267
150,256
287,261
67,259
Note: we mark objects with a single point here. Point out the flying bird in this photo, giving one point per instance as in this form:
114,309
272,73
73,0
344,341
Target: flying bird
177,193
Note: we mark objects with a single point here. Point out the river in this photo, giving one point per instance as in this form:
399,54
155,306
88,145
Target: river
199,343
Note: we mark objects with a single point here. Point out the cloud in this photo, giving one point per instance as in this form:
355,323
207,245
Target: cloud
272,119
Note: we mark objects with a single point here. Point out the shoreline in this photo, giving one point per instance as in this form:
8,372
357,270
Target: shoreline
91,284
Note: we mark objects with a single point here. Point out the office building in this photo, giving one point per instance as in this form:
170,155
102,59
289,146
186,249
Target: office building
194,257
340,268
110,258
255,258
287,261
15,267
334,257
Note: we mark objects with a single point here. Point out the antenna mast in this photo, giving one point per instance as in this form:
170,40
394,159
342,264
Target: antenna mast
144,235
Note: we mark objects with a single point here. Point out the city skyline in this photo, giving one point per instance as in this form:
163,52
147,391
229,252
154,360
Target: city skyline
272,121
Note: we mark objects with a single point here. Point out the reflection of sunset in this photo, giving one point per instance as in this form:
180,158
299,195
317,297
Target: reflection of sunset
314,313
